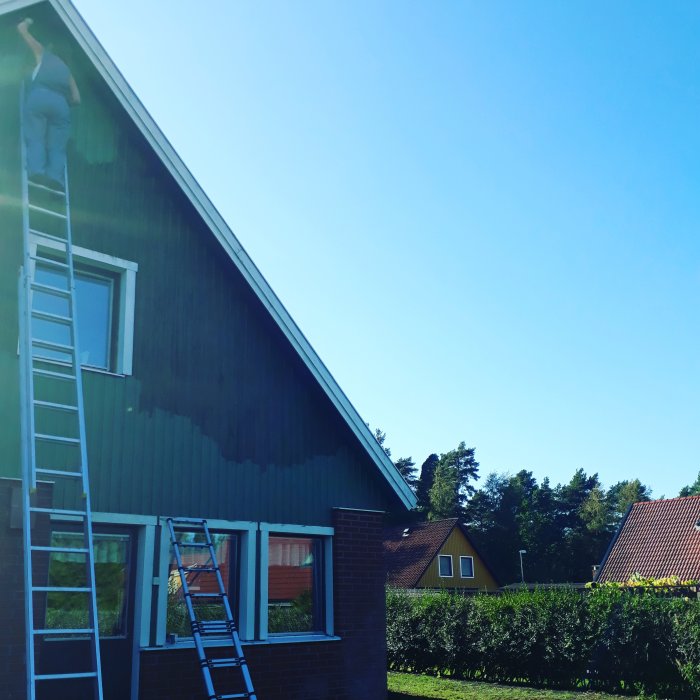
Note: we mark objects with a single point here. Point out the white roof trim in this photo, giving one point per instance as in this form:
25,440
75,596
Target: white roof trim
128,99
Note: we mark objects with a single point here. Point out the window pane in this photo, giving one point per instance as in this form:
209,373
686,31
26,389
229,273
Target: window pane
178,621
466,567
70,610
295,584
445,563
94,298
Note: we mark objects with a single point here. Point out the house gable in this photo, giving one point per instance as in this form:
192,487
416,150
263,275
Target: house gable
107,76
226,394
455,546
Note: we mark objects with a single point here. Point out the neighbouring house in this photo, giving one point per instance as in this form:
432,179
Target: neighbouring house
656,539
203,399
437,554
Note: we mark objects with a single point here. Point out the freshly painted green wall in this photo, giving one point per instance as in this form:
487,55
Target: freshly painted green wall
220,418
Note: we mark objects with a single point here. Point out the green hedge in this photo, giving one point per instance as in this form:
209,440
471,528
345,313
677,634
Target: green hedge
638,642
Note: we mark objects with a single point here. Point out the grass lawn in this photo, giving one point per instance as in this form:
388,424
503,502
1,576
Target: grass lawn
406,686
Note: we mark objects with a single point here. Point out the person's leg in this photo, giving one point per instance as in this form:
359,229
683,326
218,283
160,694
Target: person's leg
35,125
57,139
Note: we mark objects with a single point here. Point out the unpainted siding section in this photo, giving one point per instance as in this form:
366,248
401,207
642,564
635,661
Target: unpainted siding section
458,545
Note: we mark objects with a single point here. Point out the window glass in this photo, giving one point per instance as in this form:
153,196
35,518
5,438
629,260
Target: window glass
177,620
94,299
295,584
445,565
466,567
70,610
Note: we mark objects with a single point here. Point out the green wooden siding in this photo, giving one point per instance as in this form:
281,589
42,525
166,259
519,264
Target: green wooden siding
220,418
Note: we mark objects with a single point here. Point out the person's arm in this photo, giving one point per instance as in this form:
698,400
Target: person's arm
74,92
32,43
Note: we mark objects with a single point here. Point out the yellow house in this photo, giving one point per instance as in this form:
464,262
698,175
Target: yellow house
437,554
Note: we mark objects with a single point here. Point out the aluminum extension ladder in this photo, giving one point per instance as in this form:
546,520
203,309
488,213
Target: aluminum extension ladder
52,395
223,627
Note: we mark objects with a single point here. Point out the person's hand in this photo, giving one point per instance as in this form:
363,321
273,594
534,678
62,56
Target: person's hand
25,23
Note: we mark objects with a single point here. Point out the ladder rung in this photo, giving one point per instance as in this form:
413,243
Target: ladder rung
43,210
63,550
90,674
48,345
57,438
61,589
59,630
200,569
49,261
192,544
214,628
53,375
48,289
49,236
45,188
233,662
58,511
206,595
230,697
55,406
54,318
59,472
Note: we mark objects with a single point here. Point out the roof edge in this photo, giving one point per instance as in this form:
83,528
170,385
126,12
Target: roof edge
612,543
223,233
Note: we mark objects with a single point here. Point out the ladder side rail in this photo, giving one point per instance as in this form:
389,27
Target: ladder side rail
77,367
229,615
26,413
26,488
198,643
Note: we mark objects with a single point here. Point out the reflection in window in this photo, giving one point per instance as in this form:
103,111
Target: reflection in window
445,565
225,547
295,584
94,299
466,567
70,610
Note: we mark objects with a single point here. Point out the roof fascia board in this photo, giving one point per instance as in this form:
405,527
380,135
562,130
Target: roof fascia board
484,561
612,543
184,178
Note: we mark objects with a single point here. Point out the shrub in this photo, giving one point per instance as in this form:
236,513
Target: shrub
634,640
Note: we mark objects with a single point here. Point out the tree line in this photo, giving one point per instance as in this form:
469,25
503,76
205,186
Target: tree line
564,529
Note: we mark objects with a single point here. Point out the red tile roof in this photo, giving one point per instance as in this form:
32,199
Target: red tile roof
659,539
407,558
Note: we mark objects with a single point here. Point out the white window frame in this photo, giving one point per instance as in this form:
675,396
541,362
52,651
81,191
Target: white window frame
452,570
326,533
461,575
125,270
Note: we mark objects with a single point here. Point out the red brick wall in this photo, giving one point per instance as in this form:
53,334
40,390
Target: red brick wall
12,650
351,669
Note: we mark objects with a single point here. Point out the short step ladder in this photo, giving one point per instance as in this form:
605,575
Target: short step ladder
53,449
223,627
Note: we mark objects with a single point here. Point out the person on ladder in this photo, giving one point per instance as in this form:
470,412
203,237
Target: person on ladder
47,113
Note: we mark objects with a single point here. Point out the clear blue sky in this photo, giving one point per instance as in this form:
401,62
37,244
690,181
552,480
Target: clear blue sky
483,215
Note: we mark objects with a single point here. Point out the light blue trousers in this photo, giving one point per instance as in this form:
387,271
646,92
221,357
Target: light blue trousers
46,133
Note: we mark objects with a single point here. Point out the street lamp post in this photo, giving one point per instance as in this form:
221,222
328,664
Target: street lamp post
522,573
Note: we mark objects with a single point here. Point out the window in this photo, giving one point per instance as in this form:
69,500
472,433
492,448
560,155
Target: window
226,549
466,567
104,291
445,565
295,585
70,610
